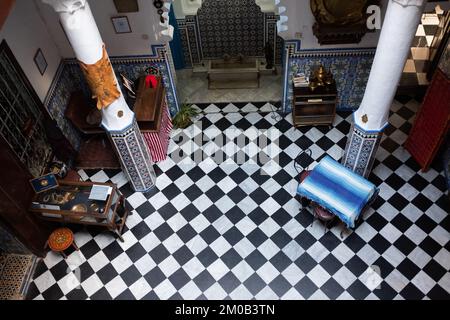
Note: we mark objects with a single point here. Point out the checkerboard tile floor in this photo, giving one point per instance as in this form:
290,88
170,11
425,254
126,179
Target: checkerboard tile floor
243,107
416,66
233,229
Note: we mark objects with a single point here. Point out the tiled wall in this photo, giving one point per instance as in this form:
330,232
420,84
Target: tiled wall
350,69
228,27
69,78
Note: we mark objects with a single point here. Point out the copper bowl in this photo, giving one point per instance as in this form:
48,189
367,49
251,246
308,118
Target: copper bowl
81,207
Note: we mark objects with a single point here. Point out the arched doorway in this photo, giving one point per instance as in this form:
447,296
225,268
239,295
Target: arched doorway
221,34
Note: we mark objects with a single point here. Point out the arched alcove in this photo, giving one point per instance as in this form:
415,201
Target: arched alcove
230,27
243,30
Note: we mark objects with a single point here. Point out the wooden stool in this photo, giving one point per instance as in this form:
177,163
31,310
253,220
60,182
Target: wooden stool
318,212
60,240
323,215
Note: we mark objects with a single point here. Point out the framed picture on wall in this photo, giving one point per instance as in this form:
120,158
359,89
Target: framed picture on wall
121,24
40,61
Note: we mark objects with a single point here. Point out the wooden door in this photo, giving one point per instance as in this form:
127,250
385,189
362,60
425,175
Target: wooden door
432,122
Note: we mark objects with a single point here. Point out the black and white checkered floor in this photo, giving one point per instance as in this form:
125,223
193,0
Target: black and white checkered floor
416,66
233,229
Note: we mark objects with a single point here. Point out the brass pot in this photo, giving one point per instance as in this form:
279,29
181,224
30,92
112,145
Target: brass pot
321,74
81,208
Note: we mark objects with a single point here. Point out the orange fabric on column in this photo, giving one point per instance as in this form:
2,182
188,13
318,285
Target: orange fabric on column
101,80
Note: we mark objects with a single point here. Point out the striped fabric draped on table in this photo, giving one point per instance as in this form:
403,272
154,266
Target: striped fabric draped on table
338,189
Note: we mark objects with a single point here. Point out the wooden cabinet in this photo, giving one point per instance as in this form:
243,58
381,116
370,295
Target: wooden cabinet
153,118
71,202
432,123
148,106
314,107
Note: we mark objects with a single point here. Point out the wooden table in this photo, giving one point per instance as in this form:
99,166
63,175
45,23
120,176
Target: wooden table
70,203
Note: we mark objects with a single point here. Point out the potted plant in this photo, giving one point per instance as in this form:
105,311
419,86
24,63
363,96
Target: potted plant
183,118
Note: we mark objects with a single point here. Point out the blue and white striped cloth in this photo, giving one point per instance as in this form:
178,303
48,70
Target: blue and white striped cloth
338,189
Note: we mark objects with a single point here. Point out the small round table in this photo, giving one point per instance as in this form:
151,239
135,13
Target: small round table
60,240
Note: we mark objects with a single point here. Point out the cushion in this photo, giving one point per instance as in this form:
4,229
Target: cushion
338,189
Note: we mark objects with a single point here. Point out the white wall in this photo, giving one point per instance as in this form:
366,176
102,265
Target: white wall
143,24
301,20
25,33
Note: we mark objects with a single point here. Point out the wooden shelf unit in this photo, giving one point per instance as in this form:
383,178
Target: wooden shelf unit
316,107
149,106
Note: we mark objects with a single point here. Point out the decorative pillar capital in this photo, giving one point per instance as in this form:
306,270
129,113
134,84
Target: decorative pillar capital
409,3
69,6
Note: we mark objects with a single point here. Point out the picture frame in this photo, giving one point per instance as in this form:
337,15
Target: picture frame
121,24
44,183
40,61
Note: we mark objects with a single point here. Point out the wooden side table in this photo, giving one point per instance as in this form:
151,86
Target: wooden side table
61,239
316,107
70,203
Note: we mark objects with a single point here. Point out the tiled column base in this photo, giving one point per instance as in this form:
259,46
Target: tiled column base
134,157
361,149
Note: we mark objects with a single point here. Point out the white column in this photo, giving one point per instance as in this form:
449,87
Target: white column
117,118
397,32
82,31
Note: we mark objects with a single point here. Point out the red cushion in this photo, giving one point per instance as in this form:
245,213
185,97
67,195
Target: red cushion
150,81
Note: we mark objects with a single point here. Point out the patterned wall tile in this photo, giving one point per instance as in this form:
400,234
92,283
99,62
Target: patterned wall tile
231,27
350,69
271,36
228,27
185,43
68,79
